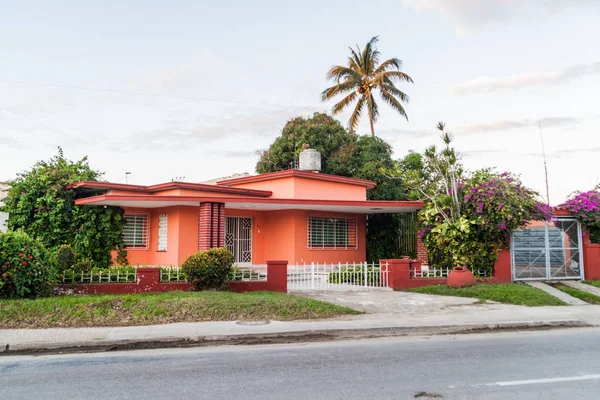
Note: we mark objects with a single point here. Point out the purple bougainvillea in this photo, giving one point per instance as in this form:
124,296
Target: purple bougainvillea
586,208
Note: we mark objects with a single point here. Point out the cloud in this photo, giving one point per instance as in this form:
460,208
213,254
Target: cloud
489,84
471,14
237,131
503,125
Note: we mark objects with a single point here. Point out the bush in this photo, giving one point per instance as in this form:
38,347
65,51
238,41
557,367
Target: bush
65,257
26,270
208,269
83,265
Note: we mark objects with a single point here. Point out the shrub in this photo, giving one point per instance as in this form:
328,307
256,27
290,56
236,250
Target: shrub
83,265
26,270
208,269
65,257
586,207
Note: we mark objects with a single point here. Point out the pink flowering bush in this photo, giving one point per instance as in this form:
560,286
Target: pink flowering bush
586,208
487,207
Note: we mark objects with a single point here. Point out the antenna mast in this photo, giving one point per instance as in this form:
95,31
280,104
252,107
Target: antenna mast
545,164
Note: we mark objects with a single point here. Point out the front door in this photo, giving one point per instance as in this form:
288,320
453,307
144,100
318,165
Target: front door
238,239
551,251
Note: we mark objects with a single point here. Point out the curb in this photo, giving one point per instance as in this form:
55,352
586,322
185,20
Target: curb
283,337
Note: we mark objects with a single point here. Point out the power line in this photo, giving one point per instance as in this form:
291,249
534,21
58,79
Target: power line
136,93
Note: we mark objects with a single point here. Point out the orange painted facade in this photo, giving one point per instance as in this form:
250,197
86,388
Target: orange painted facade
279,204
276,235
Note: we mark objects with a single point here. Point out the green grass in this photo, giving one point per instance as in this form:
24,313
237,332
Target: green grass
507,293
580,294
593,283
161,308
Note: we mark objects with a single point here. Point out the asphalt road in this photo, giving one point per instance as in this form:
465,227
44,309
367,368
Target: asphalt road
532,365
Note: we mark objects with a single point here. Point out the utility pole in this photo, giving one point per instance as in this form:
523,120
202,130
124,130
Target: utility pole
545,164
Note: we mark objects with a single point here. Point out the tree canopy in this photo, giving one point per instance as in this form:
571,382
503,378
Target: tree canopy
344,154
362,78
40,204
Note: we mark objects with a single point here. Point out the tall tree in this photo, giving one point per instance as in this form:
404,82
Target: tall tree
344,154
40,203
364,76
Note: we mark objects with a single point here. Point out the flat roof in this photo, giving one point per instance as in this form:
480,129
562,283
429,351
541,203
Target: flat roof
169,186
299,174
258,204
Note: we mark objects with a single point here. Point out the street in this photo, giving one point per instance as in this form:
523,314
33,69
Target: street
559,364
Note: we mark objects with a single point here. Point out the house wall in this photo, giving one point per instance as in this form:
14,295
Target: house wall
293,187
282,235
182,237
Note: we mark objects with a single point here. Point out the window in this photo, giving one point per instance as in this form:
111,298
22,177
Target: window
162,232
332,233
135,231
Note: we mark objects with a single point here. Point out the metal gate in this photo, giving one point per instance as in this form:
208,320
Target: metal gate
238,238
317,277
551,251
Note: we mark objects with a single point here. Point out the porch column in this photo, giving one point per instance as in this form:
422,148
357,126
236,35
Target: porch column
421,250
211,225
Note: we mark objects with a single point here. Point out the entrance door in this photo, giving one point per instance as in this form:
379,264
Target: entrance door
238,239
550,251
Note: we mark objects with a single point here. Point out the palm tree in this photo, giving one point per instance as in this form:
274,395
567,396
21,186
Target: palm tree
362,77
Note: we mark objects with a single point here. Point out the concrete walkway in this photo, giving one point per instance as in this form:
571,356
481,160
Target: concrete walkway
559,294
457,321
583,286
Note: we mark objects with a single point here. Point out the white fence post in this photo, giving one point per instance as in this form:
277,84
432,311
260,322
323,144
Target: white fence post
312,276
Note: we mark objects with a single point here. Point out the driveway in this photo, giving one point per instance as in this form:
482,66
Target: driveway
387,301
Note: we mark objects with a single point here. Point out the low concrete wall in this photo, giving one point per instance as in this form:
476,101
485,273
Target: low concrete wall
399,273
148,281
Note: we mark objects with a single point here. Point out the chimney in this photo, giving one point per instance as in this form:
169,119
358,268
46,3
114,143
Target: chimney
310,160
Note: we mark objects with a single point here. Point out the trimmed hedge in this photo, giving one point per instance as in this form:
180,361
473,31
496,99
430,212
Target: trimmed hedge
208,269
25,267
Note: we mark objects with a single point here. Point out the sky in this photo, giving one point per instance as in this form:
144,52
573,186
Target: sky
190,90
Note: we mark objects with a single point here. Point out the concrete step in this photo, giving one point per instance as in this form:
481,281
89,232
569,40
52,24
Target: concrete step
567,298
582,286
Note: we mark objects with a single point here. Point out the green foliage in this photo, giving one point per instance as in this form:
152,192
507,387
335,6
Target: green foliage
83,265
122,257
65,257
344,154
40,204
208,269
320,132
25,267
359,81
467,218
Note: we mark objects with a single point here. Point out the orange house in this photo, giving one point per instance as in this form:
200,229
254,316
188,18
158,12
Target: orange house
294,215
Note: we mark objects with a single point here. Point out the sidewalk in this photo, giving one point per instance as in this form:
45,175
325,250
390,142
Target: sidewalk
371,325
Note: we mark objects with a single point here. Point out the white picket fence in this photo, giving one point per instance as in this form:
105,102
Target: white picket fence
337,277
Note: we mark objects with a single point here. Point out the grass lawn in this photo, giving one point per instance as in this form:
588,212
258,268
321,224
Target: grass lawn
580,294
508,293
593,283
161,308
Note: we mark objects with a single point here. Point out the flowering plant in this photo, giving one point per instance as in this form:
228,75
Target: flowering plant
25,268
586,208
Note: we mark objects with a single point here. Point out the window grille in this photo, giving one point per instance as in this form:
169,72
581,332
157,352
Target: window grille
332,233
136,231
